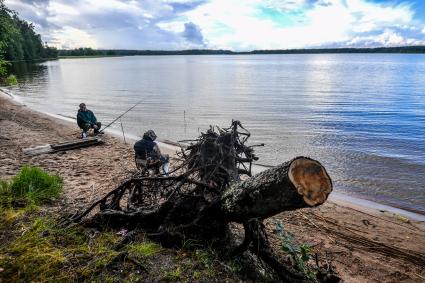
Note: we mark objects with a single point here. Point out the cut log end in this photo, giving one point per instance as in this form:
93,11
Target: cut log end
311,180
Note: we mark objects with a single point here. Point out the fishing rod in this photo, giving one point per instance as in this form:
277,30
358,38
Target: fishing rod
120,116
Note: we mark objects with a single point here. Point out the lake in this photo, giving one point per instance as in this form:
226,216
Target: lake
361,115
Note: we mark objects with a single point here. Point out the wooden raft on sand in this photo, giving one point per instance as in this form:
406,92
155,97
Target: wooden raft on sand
69,145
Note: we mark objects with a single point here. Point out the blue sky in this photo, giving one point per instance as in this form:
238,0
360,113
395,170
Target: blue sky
225,24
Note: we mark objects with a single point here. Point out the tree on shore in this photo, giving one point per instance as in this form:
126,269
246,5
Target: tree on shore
18,40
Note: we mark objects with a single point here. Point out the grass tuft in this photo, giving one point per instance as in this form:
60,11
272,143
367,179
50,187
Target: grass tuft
143,249
173,276
31,186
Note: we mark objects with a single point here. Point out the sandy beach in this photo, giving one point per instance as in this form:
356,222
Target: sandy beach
361,243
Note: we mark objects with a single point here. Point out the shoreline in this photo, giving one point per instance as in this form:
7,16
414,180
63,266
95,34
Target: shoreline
171,147
362,244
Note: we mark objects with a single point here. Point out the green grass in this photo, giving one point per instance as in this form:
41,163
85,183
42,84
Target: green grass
34,248
173,276
31,186
32,256
38,250
11,80
144,249
47,253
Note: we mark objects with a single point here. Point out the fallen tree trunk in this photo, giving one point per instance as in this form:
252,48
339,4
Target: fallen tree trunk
299,183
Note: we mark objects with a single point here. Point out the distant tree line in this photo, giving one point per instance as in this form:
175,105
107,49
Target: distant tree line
401,49
18,40
122,52
85,52
125,52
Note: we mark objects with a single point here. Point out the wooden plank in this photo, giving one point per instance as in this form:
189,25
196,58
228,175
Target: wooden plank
46,148
69,145
76,144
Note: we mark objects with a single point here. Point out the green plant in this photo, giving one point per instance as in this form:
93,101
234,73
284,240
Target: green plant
173,276
45,252
8,80
11,80
143,249
31,186
300,254
32,256
3,65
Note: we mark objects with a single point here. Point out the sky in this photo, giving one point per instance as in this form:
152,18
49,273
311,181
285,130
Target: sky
238,25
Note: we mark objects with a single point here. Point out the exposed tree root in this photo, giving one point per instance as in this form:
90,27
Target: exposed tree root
206,193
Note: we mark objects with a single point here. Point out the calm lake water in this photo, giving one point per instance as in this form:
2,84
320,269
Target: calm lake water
361,115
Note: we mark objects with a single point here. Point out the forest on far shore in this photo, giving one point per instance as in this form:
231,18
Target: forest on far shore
124,52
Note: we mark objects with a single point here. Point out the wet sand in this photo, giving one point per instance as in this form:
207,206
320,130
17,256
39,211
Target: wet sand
362,244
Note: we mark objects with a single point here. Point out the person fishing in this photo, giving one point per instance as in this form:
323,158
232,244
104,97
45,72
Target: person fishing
86,120
148,155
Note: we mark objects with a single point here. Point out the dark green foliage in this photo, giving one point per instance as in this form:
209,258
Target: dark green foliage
18,40
3,70
31,186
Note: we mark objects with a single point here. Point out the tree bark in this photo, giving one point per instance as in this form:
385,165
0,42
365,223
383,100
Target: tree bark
301,182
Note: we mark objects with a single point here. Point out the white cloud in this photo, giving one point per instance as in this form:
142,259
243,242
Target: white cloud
62,9
372,16
386,38
324,22
69,37
227,24
286,5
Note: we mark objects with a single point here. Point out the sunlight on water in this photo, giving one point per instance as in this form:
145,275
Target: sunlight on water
362,116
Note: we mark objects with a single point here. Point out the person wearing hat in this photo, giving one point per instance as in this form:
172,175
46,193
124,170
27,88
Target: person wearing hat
86,121
148,155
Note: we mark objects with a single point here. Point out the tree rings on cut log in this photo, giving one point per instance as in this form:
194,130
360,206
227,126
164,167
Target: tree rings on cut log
311,180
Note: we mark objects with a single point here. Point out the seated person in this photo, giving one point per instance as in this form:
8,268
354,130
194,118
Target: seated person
147,151
86,120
